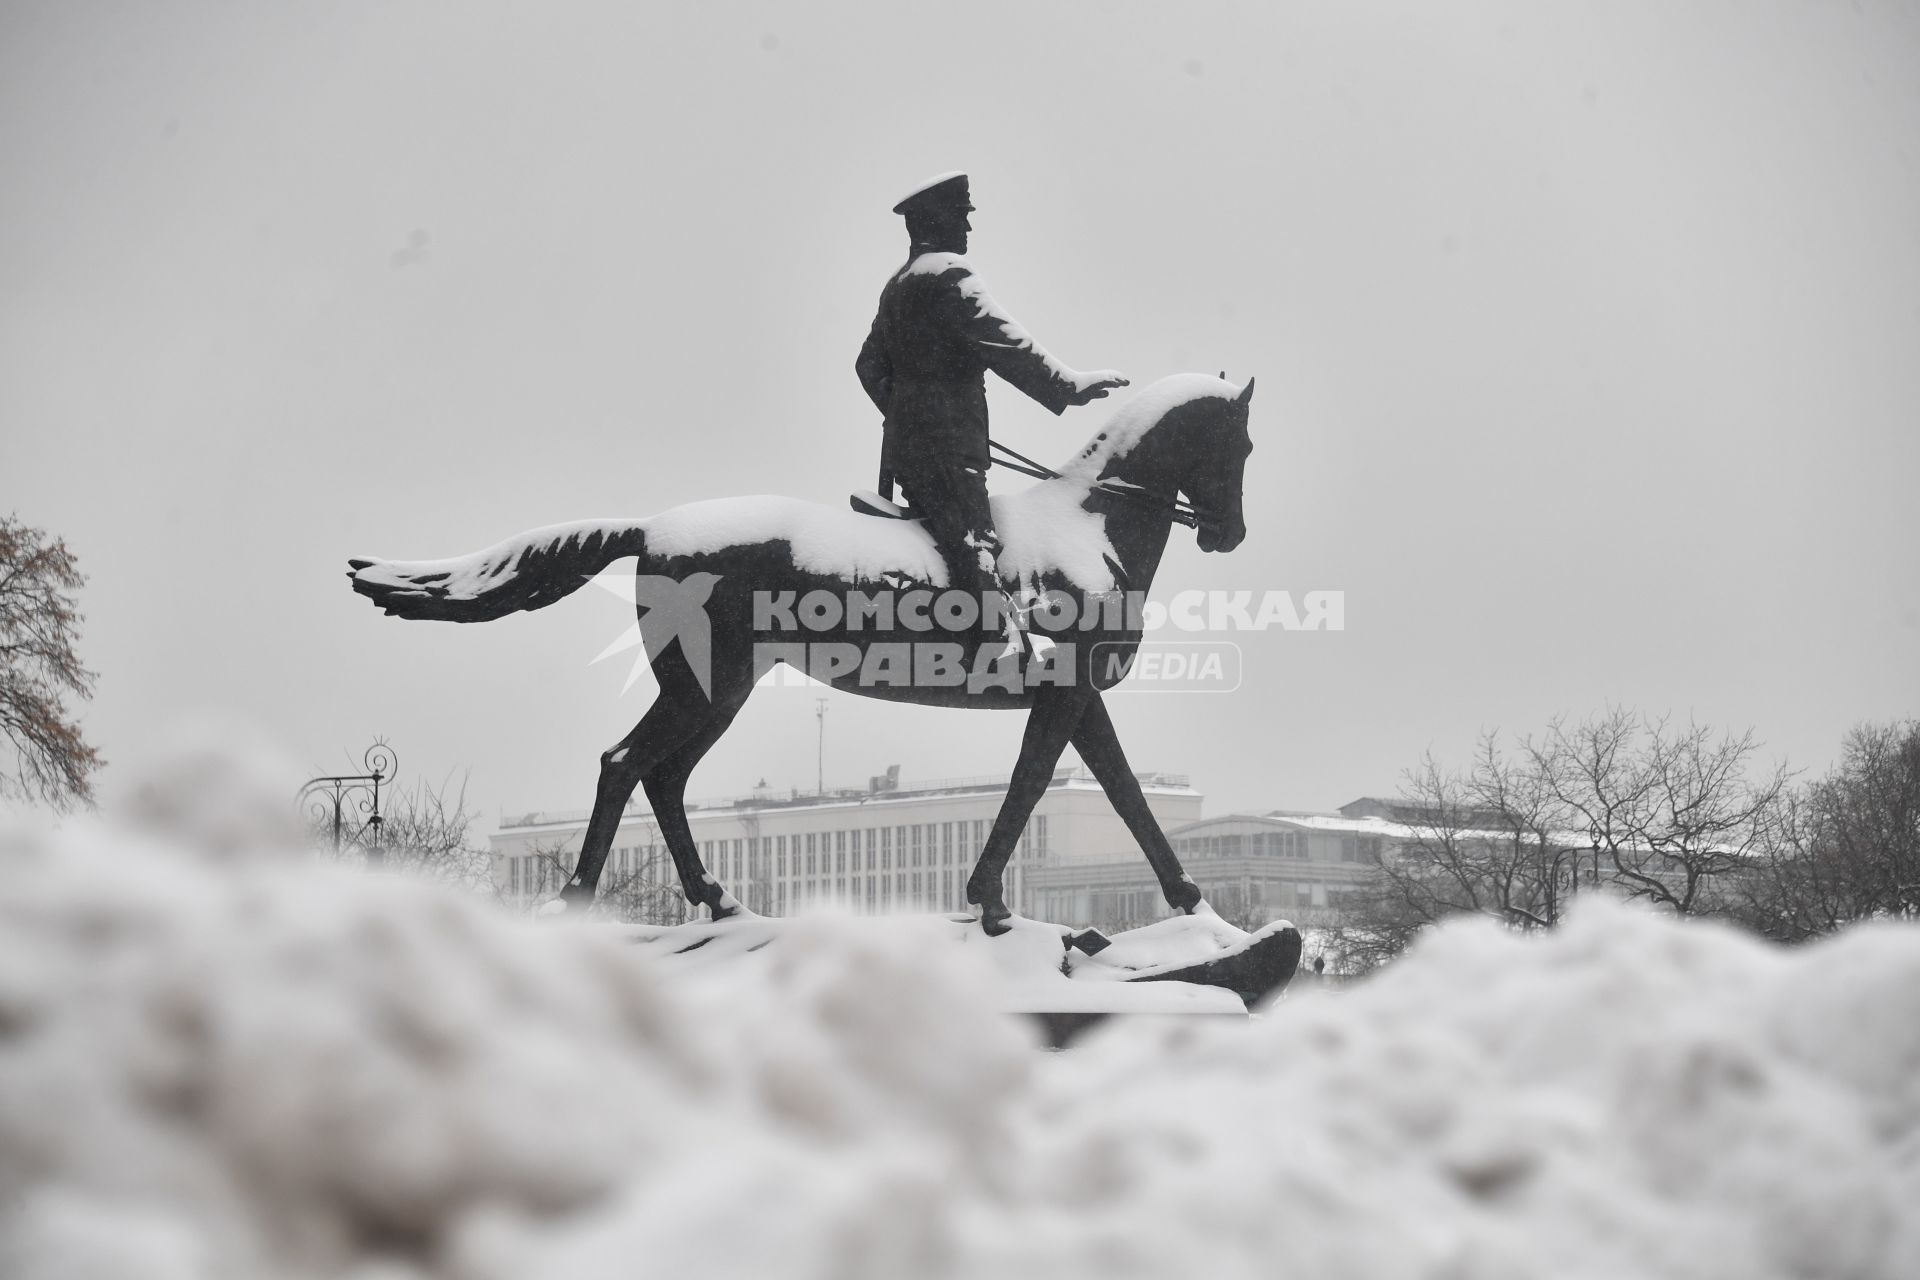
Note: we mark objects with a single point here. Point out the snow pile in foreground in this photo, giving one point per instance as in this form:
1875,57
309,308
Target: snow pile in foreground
244,1070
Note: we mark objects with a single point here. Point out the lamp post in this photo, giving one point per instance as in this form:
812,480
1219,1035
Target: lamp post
328,799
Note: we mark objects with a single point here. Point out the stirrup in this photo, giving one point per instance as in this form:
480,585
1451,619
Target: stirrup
869,503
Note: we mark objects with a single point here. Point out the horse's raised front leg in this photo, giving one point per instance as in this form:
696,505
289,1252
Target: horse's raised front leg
1049,725
1099,747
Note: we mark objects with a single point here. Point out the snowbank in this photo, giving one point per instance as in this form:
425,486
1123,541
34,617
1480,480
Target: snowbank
243,1070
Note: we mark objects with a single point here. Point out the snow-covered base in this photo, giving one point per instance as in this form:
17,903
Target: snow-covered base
1021,970
240,1071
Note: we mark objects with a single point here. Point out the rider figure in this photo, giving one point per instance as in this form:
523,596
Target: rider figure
924,365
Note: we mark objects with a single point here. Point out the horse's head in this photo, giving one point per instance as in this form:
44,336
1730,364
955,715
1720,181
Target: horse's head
1183,435
1219,444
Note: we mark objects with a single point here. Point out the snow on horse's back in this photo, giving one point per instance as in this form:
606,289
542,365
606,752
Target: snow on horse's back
828,541
1043,529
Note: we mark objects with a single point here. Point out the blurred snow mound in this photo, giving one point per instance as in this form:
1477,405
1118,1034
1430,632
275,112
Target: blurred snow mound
219,785
265,1069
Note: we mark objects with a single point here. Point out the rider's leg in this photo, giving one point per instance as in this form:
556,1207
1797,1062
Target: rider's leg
950,493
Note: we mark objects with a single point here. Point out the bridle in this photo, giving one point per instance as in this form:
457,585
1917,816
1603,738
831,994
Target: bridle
1183,512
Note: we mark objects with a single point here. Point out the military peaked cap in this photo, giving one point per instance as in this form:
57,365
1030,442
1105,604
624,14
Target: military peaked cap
943,190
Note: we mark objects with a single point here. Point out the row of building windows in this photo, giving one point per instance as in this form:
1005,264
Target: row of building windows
944,888
1272,844
1118,908
933,850
1146,902
1278,844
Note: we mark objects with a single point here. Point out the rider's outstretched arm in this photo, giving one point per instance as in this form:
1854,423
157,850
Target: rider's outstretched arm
1010,351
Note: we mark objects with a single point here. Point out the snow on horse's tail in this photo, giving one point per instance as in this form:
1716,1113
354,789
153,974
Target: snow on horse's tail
530,571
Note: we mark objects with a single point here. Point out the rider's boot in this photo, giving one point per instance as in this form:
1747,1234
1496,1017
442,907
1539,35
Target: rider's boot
1002,626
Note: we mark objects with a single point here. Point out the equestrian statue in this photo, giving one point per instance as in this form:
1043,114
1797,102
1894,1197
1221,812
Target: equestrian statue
1026,601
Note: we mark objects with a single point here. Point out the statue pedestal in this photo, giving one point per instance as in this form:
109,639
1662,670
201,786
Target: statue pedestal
1184,966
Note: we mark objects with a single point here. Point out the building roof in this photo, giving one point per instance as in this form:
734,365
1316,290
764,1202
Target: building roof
1274,819
1067,777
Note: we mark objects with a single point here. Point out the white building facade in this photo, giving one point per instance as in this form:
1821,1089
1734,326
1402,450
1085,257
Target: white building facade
893,847
1252,867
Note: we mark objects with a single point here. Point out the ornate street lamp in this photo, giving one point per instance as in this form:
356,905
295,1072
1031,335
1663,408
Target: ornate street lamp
329,799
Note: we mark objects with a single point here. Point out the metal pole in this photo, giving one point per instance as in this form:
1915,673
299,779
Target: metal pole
820,777
376,856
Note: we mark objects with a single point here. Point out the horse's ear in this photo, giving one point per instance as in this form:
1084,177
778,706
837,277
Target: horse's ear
1246,393
1223,375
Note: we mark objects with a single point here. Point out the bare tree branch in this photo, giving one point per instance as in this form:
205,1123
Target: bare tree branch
1847,847
1670,815
39,631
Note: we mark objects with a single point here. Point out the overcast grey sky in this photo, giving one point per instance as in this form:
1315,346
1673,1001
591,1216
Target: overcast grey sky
1586,340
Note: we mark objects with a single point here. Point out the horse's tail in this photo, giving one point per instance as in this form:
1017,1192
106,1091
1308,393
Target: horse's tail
530,571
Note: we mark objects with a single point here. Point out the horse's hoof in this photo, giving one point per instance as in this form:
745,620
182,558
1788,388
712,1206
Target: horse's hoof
574,900
1184,895
993,920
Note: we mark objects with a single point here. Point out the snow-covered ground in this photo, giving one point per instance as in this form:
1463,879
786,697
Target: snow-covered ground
250,1068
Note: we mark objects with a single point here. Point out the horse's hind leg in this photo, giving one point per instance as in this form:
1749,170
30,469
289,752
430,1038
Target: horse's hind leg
1099,747
1049,725
675,716
666,785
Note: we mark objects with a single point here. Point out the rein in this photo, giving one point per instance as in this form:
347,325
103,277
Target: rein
1182,511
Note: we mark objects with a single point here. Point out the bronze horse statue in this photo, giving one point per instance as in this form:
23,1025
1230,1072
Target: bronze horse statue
723,578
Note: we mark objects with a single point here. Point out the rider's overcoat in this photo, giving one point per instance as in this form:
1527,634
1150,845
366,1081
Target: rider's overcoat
924,363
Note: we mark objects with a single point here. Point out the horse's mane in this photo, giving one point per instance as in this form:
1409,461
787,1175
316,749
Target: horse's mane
1134,419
